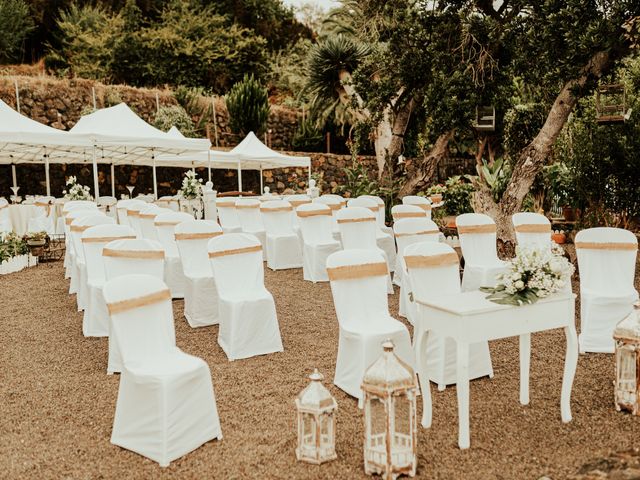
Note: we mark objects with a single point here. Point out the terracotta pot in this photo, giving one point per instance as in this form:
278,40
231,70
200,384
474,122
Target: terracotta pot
559,238
569,214
436,198
450,222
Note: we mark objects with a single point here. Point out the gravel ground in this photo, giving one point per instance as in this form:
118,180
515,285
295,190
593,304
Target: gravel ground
57,403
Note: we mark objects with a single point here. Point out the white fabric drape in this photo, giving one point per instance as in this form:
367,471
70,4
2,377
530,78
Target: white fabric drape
318,242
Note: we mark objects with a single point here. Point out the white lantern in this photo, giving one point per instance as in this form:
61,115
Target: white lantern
389,387
316,422
627,338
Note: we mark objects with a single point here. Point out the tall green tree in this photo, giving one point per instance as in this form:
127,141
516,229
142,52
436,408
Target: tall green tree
15,25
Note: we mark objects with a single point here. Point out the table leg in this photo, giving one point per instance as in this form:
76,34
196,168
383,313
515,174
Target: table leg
570,364
525,360
423,375
462,387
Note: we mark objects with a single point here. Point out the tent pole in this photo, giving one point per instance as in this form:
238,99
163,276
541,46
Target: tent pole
209,162
261,181
239,177
155,179
95,174
113,180
46,174
14,176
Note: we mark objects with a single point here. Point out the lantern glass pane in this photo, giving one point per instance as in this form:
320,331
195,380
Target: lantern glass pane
326,435
402,448
308,431
626,359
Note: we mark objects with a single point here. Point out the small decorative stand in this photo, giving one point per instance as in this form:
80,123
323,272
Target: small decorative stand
389,387
627,338
316,422
313,191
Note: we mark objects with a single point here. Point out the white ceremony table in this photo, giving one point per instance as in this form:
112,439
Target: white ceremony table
20,214
469,318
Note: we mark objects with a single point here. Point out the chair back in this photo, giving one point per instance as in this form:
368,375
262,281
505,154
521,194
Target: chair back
168,202
73,215
532,229
433,269
295,201
192,238
358,227
358,281
277,216
78,204
248,210
340,198
381,212
165,224
399,212
146,217
141,315
607,260
315,223
45,206
128,256
93,241
420,202
477,234
236,262
123,206
408,231
335,205
227,214
133,216
82,223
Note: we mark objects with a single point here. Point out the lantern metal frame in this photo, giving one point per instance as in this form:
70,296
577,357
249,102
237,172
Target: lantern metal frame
316,405
627,355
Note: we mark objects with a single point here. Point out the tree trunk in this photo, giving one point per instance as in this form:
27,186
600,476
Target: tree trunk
394,146
532,158
425,169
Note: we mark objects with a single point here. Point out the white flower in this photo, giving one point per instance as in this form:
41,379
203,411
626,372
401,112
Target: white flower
519,285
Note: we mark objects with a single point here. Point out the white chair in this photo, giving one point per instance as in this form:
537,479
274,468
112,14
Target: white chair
70,251
358,230
335,205
283,244
381,213
168,202
318,242
358,285
43,221
227,215
420,202
248,210
133,216
607,263
477,234
67,208
295,201
340,198
109,204
165,224
146,218
407,232
166,407
127,257
200,292
434,271
532,229
399,212
78,226
384,240
5,220
122,206
247,312
95,322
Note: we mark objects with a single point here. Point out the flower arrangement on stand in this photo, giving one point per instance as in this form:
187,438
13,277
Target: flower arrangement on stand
75,191
192,192
13,253
533,274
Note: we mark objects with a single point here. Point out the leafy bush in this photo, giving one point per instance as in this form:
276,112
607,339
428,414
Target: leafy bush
456,194
307,137
357,181
174,115
248,106
15,25
559,182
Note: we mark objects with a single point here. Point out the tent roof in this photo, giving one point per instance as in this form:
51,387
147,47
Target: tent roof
123,137
174,132
23,139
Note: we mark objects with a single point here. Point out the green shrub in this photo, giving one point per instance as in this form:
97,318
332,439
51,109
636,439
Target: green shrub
248,106
456,194
521,124
15,24
174,115
307,137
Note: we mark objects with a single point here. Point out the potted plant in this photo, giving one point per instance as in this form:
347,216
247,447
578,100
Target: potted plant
36,242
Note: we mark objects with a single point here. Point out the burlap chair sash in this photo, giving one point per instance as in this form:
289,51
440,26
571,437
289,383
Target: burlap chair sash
257,205
429,261
226,204
79,228
356,220
197,235
297,203
533,228
133,213
421,232
148,215
136,254
474,229
236,251
171,223
353,272
277,209
400,215
138,302
606,246
313,213
106,239
424,206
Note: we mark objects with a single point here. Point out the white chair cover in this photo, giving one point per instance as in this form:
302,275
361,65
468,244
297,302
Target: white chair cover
95,322
44,219
408,231
477,234
133,216
127,257
123,205
248,211
166,406
109,203
295,201
66,209
607,263
79,225
532,229
399,212
335,205
169,202
283,244
165,224
318,242
146,218
247,312
434,270
381,213
384,240
70,260
227,215
200,292
358,230
420,202
358,284
5,220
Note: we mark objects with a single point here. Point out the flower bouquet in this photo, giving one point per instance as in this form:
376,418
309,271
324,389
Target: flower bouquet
533,274
75,191
191,186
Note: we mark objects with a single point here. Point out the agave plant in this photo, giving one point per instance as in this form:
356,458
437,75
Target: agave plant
248,106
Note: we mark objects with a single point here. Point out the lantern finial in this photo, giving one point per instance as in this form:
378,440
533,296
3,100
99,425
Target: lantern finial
316,376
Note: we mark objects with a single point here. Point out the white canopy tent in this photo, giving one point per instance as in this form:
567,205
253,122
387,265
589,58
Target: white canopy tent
250,154
23,140
120,136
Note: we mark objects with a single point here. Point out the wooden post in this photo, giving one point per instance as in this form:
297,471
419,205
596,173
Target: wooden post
215,120
15,81
93,94
328,142
157,103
